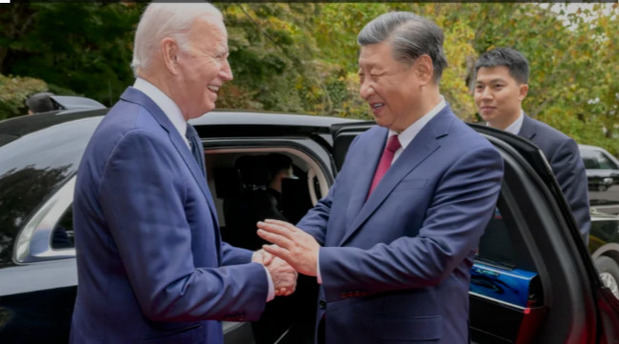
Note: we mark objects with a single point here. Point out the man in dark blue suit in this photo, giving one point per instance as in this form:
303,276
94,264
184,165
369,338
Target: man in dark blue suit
501,85
151,265
393,242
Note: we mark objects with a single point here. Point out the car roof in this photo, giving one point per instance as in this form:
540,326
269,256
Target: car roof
232,117
16,127
13,128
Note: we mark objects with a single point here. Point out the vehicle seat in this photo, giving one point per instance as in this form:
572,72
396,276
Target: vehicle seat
253,203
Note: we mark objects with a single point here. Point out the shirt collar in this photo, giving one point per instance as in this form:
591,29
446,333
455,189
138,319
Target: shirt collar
408,134
515,127
166,104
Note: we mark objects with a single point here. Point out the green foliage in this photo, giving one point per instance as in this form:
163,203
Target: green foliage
302,57
13,93
85,47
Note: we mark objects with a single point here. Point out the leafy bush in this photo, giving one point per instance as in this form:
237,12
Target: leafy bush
13,93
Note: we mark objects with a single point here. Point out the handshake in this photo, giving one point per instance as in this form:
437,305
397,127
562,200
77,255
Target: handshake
292,251
283,275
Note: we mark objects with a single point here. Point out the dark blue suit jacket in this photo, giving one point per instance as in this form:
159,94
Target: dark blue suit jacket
395,268
151,265
564,157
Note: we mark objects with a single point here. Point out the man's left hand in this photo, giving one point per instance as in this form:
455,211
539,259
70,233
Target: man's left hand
262,257
292,244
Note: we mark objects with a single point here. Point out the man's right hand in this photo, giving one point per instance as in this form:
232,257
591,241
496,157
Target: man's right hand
283,275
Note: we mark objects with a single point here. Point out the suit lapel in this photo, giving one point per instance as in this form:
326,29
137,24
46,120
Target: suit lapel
365,170
133,95
422,146
528,128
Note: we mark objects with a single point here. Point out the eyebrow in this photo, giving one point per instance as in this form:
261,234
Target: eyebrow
490,81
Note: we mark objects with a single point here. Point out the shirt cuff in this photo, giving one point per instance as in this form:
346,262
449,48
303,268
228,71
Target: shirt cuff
271,293
318,276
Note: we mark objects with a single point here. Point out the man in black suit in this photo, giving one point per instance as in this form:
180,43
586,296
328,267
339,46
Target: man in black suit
500,87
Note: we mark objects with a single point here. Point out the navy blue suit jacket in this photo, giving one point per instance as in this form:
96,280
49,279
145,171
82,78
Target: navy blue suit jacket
395,268
564,157
151,265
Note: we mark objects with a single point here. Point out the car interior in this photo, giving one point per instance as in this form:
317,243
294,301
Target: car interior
240,183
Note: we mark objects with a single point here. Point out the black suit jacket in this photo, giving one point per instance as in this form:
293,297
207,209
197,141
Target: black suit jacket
564,157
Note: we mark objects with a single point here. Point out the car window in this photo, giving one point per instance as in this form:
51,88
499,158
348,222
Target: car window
20,196
504,269
597,160
502,244
33,167
604,231
62,234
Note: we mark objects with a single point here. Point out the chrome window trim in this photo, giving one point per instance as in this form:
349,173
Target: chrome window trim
481,296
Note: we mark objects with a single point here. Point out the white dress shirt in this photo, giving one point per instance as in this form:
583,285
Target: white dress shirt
167,105
408,134
173,112
515,127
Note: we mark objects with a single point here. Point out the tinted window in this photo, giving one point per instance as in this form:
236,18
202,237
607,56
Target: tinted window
34,166
597,160
62,235
502,244
605,230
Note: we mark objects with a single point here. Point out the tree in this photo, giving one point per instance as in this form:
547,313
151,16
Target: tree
84,47
302,57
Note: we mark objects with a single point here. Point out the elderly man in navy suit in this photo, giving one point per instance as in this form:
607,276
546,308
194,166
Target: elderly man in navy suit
151,264
393,242
501,85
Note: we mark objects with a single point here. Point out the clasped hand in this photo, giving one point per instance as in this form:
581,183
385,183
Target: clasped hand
283,275
292,244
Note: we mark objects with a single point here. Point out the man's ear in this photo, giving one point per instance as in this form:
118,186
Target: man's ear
523,89
424,68
169,52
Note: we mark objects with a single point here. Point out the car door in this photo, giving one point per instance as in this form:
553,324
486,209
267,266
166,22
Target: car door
533,279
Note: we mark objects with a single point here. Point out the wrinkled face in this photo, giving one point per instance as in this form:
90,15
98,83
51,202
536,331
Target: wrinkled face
498,96
203,67
388,86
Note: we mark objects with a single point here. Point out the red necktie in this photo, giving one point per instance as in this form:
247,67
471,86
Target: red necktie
385,161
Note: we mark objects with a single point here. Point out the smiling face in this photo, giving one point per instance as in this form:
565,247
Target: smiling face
202,67
390,87
498,96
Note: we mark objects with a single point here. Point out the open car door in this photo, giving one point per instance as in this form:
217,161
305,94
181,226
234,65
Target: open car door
533,280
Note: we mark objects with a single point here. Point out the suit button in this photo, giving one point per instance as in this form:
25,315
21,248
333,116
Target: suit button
322,304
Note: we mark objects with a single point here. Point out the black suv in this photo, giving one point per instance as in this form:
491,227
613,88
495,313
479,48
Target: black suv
533,281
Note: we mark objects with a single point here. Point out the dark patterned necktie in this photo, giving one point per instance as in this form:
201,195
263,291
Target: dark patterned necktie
196,147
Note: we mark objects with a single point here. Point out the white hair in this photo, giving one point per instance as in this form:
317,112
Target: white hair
161,20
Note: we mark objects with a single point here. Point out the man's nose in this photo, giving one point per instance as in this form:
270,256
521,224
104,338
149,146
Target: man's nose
365,90
485,93
226,72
